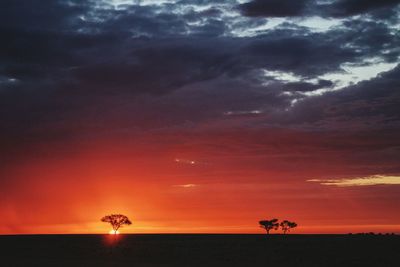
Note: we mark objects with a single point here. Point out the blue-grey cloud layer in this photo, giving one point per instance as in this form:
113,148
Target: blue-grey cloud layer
68,67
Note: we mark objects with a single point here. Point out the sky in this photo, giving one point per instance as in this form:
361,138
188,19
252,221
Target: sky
199,116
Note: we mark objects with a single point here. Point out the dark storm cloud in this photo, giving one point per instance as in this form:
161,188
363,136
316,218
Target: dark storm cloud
40,15
344,8
63,63
128,47
153,69
274,8
372,38
372,104
336,8
108,49
307,86
304,54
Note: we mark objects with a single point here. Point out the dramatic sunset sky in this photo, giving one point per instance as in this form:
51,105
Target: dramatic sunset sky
199,115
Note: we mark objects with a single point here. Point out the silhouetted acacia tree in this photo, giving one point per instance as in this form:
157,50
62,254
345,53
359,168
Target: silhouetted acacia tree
287,225
269,225
116,221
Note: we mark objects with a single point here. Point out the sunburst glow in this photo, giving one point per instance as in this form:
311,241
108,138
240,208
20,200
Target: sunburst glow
112,232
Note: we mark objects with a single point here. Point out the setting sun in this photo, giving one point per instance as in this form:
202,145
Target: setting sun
112,232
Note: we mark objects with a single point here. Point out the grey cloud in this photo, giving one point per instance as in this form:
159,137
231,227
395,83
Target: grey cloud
370,105
345,8
68,59
336,8
307,86
274,8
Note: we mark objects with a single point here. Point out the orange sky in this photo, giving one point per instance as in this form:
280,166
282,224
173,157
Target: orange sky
199,118
189,182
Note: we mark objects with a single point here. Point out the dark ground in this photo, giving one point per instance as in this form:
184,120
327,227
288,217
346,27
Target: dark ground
200,250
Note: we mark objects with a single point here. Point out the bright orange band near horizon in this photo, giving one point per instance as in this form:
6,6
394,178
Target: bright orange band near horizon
178,189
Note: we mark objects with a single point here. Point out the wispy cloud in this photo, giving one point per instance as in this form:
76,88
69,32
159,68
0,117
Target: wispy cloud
186,185
243,112
190,162
186,161
360,181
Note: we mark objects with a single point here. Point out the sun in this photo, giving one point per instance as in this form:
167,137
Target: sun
112,232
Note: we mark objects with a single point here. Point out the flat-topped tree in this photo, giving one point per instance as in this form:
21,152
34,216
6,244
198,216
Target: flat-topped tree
287,225
116,221
269,225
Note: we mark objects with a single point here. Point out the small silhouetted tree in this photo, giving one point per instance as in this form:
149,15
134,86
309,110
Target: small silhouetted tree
287,225
116,221
269,225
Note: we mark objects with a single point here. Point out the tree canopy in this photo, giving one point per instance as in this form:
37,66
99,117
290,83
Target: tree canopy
274,224
287,225
269,225
116,221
